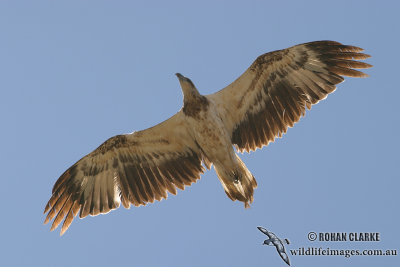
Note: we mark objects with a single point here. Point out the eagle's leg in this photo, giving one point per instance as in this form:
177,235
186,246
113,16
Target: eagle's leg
236,177
239,183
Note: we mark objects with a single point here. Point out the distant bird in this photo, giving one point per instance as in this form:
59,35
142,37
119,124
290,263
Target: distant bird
270,96
275,241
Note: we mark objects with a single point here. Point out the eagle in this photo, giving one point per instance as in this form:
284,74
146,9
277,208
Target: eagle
260,105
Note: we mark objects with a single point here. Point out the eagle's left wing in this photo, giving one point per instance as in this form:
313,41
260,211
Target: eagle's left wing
274,92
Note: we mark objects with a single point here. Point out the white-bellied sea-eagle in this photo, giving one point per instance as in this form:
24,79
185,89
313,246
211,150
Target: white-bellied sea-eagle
270,96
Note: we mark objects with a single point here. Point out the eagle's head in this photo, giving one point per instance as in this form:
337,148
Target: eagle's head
188,88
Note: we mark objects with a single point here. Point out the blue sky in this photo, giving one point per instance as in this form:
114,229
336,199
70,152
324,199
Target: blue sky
74,73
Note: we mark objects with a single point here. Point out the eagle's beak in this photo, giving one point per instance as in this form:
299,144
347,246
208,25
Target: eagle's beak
180,76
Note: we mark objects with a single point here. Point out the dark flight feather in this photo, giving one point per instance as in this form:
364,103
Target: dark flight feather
288,81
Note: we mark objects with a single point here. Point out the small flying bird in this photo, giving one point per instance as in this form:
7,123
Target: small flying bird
138,168
275,241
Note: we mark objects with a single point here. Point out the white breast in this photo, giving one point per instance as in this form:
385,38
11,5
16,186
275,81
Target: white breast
212,136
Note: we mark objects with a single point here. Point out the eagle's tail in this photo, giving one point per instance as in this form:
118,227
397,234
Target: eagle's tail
239,183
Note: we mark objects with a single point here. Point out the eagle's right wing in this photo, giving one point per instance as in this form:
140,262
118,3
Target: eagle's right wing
133,169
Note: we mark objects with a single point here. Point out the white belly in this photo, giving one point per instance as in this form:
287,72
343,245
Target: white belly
211,135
